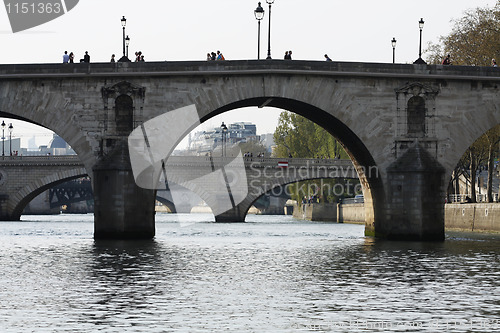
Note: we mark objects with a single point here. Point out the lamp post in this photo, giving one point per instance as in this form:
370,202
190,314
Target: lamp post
10,138
223,133
125,57
393,42
259,15
127,42
420,60
270,2
3,138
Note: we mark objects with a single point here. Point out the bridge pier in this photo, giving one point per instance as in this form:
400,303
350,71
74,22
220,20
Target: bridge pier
122,209
415,207
234,215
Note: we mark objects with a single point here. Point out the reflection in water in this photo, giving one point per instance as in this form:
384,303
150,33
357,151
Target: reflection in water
272,274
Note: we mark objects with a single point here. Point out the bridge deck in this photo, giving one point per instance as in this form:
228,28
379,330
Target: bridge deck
239,67
184,160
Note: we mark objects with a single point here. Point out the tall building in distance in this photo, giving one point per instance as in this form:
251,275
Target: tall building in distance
204,142
57,146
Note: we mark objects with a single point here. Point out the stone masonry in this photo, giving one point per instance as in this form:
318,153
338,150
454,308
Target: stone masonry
377,111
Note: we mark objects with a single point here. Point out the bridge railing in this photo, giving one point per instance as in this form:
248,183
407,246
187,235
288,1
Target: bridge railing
458,198
266,161
39,158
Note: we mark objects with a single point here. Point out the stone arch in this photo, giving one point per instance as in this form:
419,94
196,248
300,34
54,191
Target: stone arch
169,204
248,203
450,173
358,152
18,202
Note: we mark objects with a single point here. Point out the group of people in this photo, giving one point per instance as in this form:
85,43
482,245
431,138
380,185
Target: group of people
212,56
250,155
309,200
139,56
70,58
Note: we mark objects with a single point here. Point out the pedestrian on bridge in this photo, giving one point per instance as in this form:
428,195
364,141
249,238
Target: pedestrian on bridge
86,57
65,57
447,60
327,57
220,56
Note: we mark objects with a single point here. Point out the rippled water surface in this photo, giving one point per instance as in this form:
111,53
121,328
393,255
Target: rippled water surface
271,274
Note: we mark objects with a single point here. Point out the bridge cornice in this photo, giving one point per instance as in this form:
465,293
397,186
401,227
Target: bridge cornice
41,161
247,67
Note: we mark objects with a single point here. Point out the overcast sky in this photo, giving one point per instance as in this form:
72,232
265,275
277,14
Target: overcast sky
359,30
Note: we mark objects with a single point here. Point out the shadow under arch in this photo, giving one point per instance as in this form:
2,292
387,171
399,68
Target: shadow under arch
361,158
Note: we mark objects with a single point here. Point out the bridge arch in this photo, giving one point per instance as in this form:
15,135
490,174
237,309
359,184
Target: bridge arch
16,203
250,200
450,173
360,156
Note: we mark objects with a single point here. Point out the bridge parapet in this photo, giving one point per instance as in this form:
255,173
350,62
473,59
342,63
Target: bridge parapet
61,160
239,67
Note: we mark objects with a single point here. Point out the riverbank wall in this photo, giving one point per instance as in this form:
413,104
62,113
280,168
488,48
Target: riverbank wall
316,212
465,217
473,217
352,213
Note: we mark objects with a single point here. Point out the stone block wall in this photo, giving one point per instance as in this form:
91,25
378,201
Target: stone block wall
473,217
351,213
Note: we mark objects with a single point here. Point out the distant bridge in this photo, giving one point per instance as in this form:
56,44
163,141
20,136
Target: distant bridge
24,177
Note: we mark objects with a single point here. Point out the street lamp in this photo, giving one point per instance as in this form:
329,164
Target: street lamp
127,43
420,60
124,58
393,41
259,15
223,133
270,2
3,138
10,138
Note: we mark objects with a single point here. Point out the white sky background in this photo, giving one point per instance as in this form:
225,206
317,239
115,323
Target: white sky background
358,30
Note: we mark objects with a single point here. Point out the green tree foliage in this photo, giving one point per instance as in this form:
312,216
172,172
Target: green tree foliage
252,147
473,41
299,137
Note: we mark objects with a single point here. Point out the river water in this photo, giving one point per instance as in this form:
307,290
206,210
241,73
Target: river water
271,274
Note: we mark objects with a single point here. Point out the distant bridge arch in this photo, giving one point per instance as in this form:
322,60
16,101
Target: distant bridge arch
24,178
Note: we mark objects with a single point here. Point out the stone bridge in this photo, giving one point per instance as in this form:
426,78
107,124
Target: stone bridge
23,178
411,122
